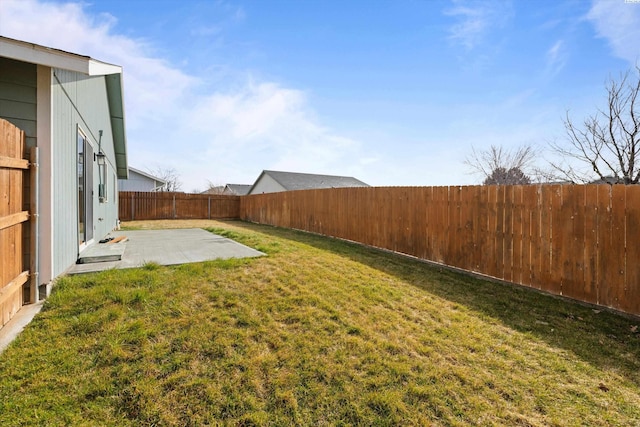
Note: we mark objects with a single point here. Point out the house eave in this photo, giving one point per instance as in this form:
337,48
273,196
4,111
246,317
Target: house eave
116,112
55,58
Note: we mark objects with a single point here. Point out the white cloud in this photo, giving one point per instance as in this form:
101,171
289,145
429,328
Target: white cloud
475,19
619,23
556,58
222,135
263,126
151,85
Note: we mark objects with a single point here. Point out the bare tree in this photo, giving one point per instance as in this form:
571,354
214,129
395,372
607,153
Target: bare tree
607,144
170,176
499,166
213,188
502,176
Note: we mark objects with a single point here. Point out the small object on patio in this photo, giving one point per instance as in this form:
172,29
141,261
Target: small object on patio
118,239
106,239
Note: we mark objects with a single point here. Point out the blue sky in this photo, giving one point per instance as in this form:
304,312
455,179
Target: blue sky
391,92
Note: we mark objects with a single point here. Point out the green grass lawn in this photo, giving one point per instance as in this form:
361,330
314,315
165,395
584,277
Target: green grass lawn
319,332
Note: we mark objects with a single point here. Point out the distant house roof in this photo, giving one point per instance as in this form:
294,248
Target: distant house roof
290,181
141,181
56,58
213,190
608,180
237,189
148,175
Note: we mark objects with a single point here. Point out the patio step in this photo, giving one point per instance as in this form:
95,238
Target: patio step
103,252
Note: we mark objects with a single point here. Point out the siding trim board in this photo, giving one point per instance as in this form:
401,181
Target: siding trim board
47,174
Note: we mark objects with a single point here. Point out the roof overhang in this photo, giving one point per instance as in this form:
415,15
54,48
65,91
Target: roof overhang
116,111
55,58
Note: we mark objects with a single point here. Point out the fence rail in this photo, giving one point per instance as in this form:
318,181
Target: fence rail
580,241
134,205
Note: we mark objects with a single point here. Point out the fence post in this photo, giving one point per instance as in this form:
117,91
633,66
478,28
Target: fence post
209,207
174,207
132,209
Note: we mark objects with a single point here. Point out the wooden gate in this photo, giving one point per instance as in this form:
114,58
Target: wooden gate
12,217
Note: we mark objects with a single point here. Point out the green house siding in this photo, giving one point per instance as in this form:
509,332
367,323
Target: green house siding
18,91
18,99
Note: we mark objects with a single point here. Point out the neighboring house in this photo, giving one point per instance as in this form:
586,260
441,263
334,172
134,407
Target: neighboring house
71,108
237,189
141,181
274,181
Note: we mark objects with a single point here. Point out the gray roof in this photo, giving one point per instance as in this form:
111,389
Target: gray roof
608,180
239,189
306,181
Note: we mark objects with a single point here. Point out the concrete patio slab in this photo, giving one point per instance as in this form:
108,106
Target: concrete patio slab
165,247
102,252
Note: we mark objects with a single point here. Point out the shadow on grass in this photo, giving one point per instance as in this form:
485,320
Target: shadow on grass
598,336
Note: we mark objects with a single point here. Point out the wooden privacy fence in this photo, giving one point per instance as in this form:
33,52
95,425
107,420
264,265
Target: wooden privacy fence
580,241
134,205
12,217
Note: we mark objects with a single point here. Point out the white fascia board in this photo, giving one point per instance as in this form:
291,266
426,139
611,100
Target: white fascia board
97,68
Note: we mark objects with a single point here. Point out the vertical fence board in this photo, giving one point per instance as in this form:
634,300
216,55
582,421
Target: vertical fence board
454,238
545,247
440,214
483,233
500,232
518,235
605,244
578,242
529,216
563,241
508,234
618,257
492,227
468,221
591,249
556,240
632,243
426,221
537,251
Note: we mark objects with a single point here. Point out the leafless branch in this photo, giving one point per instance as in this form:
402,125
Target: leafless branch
608,141
498,165
170,176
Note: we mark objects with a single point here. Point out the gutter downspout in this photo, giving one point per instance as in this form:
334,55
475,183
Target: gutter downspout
34,259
